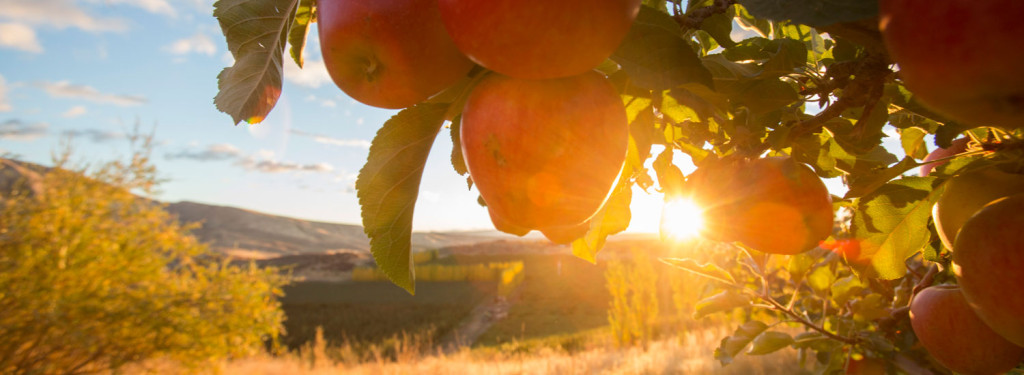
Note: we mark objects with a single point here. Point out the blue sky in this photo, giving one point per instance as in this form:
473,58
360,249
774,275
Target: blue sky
92,69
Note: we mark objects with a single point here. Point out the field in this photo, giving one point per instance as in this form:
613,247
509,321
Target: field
372,312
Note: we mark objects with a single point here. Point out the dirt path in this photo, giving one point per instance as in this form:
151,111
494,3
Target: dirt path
479,321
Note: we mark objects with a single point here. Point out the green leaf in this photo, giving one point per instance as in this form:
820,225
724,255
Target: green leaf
766,95
821,278
733,345
388,185
613,218
769,342
304,16
892,223
914,144
709,270
866,182
256,31
812,12
846,288
458,161
798,266
655,56
721,302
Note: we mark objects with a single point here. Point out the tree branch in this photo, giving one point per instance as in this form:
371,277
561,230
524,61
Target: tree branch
695,17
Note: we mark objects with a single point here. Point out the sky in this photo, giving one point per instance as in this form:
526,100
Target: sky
92,70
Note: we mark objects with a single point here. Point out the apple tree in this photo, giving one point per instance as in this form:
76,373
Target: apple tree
555,108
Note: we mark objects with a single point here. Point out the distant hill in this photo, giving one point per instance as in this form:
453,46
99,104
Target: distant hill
250,234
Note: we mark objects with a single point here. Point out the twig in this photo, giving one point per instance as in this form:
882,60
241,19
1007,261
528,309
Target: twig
799,319
695,17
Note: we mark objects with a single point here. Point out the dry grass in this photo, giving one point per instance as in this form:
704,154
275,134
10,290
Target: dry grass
687,354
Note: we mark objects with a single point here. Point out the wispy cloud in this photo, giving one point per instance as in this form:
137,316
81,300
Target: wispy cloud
361,143
95,135
16,130
152,6
214,152
199,43
60,14
20,37
65,89
5,104
313,73
75,111
272,166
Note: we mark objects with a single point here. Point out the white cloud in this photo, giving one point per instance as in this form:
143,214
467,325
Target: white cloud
96,135
361,143
57,13
272,166
312,74
199,43
19,37
5,105
214,152
152,6
75,111
65,89
15,130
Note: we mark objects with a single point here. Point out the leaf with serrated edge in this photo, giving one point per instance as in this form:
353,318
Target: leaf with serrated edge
892,223
709,270
769,342
304,17
388,185
724,301
256,31
656,57
732,345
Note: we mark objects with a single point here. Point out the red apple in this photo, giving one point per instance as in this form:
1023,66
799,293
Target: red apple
544,154
388,53
960,57
954,335
958,146
989,264
774,205
966,194
866,366
538,39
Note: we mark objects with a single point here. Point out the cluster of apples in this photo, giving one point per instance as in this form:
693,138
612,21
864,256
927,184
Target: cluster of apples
957,58
977,326
543,134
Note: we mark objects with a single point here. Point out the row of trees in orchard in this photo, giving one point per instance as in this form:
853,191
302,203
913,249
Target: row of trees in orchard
554,108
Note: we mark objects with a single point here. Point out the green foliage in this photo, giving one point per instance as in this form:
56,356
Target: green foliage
93,277
633,313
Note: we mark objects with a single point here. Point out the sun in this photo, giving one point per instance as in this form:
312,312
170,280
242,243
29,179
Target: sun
681,219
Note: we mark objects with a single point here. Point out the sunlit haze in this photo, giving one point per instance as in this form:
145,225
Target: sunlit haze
681,219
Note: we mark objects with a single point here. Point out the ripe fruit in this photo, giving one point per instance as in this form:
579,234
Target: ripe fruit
952,333
774,205
988,261
544,154
966,194
388,53
955,56
538,39
958,146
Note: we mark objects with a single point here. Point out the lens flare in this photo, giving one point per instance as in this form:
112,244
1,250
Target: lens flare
681,219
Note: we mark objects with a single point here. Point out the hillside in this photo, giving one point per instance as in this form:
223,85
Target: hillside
249,234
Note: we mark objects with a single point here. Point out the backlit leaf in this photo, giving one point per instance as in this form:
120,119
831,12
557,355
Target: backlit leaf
388,185
733,345
769,342
656,57
721,302
812,12
305,15
892,223
256,31
709,270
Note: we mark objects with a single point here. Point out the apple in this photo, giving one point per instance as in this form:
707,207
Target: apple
958,146
959,57
774,205
388,53
988,263
967,193
544,154
538,39
956,337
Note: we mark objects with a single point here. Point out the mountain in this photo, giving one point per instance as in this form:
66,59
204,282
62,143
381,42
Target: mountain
249,234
